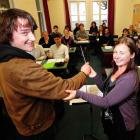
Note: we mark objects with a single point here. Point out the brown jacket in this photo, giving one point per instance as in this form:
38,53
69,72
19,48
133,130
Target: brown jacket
28,93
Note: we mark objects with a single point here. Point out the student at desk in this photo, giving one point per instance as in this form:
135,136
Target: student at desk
81,34
76,29
29,89
132,31
67,39
125,32
45,40
52,35
38,52
120,114
93,29
107,38
59,50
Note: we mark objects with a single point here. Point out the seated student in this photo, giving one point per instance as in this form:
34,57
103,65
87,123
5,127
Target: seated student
104,24
38,52
55,31
76,28
67,27
125,32
106,39
67,39
44,40
81,34
100,30
132,31
93,28
58,49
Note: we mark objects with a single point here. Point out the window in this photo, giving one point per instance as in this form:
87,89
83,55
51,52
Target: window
77,12
100,11
86,11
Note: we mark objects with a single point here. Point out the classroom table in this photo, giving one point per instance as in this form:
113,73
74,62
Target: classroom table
82,48
92,89
72,50
51,64
82,42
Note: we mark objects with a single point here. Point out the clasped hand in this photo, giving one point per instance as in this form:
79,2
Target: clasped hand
89,71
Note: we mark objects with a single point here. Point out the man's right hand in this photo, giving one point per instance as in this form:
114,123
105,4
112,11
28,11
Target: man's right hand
86,68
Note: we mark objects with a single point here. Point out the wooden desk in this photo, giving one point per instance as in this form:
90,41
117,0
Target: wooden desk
107,57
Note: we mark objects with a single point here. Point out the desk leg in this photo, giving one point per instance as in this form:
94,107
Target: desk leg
90,136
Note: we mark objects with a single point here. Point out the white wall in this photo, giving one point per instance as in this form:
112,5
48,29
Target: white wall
123,15
57,14
136,1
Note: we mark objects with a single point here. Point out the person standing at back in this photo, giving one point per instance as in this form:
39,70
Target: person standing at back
28,89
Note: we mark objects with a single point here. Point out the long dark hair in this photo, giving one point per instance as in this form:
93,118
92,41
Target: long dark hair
9,23
133,49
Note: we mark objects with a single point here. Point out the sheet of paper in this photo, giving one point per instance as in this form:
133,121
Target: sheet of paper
92,89
108,47
39,62
83,41
55,60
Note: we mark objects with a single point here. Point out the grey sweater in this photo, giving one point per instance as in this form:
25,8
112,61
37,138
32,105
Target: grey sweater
126,86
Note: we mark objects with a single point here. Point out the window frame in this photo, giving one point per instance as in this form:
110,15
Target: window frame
89,12
78,11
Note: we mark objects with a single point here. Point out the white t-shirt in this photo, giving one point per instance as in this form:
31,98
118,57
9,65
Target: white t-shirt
60,52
